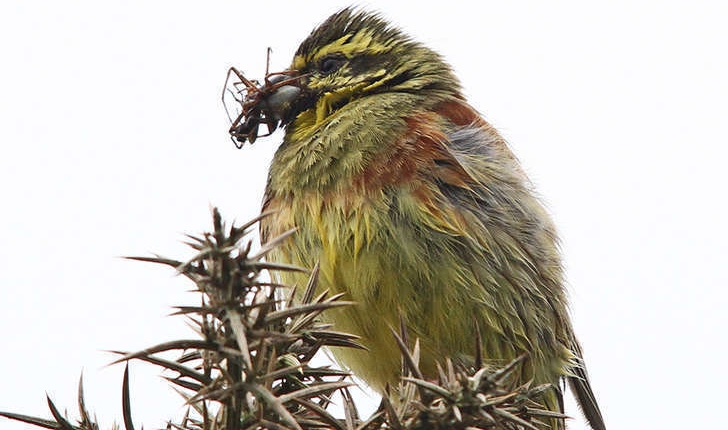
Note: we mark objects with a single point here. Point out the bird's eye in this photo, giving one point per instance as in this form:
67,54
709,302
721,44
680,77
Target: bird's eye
331,64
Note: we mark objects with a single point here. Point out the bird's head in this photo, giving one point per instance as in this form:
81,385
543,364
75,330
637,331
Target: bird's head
351,55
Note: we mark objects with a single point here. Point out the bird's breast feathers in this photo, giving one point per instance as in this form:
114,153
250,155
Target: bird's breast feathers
350,185
432,217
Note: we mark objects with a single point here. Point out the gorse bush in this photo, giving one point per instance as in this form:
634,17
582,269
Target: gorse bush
248,367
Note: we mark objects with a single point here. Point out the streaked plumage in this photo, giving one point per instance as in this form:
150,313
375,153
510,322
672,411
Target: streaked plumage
413,204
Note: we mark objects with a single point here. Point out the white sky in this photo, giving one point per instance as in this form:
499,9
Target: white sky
115,143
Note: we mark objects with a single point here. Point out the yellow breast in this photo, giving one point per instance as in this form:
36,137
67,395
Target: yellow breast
378,259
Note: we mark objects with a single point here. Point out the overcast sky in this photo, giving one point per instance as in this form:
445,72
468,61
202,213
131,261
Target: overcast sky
114,142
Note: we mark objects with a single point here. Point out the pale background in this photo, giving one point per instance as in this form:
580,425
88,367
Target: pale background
114,143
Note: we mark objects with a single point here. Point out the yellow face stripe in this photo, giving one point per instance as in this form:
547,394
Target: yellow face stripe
313,118
348,45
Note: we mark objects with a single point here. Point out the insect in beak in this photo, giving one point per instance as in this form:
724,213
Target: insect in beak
260,104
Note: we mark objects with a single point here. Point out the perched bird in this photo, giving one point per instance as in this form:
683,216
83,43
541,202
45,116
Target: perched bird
414,206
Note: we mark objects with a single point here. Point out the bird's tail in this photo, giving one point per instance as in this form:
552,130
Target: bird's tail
580,386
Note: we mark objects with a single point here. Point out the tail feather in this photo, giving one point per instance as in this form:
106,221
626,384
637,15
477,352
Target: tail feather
580,386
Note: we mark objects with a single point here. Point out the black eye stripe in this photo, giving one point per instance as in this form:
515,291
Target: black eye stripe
331,63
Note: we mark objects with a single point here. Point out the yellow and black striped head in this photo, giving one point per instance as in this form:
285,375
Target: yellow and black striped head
351,55
355,54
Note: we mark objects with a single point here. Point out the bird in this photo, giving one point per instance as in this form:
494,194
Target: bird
415,207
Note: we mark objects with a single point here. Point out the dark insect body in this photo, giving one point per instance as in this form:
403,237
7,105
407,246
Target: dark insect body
260,104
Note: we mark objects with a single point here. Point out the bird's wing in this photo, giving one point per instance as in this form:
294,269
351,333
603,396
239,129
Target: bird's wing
477,161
